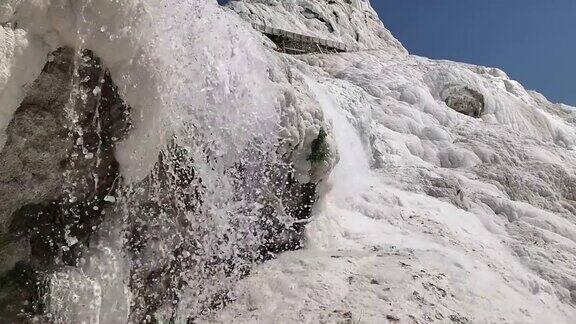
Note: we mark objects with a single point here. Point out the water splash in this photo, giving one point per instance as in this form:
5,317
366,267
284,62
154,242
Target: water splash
203,192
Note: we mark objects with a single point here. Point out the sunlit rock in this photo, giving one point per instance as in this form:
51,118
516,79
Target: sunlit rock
250,185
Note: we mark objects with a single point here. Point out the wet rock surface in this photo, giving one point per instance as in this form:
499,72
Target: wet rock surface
56,169
61,182
203,251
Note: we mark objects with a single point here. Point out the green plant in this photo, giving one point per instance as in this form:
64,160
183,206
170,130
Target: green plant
320,148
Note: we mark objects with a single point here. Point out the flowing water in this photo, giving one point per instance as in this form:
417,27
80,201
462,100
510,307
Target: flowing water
352,172
199,169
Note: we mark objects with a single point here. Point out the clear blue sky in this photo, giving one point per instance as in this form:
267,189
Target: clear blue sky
534,41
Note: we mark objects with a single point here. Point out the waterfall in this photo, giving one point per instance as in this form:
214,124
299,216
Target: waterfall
204,189
161,162
352,173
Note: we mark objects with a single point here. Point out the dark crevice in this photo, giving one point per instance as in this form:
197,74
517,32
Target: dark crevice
311,14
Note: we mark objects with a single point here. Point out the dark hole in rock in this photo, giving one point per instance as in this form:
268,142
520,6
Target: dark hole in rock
311,14
464,100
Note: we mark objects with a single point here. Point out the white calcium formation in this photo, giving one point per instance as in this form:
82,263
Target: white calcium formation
446,192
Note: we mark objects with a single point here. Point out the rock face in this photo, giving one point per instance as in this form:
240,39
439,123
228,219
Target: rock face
454,219
169,243
350,22
57,166
446,202
167,210
60,180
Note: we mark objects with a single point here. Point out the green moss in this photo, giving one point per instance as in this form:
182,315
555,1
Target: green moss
320,148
